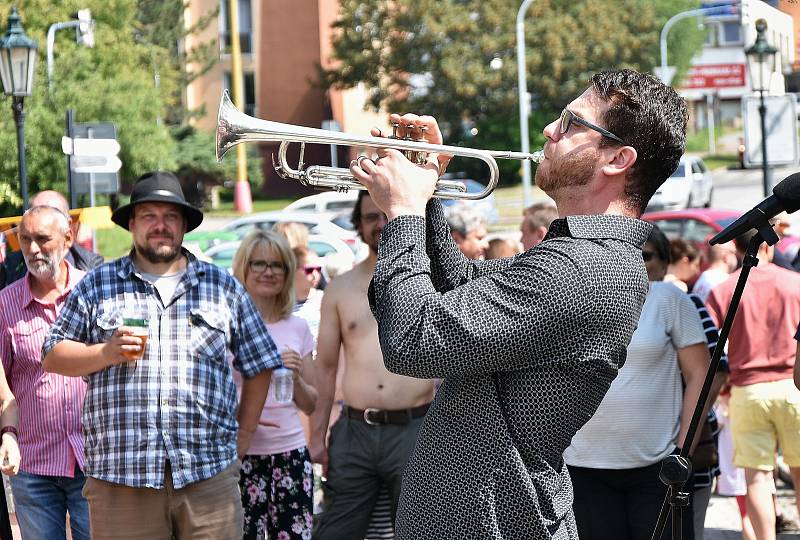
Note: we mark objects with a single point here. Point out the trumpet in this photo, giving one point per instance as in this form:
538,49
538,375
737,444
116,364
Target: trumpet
234,127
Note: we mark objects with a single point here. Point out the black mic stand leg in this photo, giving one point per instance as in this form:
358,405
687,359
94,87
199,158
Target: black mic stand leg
675,470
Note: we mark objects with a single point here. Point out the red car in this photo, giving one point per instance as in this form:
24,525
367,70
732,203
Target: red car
699,225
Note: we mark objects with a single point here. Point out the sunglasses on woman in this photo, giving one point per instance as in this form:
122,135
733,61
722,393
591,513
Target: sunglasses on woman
310,269
568,117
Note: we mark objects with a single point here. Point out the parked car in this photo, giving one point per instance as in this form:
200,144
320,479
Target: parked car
336,256
316,223
327,201
690,186
699,225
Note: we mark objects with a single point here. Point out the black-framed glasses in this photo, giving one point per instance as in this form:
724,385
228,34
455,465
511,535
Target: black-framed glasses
648,255
259,266
567,117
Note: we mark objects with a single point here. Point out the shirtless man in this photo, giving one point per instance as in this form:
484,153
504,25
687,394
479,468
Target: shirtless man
376,432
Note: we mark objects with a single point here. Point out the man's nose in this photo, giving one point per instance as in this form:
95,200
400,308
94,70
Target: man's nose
552,131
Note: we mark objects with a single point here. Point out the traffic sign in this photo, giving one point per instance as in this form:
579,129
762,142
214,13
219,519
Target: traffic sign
99,182
95,164
89,147
781,130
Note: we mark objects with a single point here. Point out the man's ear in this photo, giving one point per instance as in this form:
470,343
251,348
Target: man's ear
620,161
69,238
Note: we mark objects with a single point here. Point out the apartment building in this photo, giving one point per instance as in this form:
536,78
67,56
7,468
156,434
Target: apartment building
282,43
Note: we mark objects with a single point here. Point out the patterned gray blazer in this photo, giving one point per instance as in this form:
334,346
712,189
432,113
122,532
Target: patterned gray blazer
527,346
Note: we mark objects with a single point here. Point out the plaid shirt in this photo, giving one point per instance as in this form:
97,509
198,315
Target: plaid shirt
179,402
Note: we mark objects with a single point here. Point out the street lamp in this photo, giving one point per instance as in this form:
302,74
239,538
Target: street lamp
761,65
17,64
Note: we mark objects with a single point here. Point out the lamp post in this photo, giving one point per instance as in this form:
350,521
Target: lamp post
17,64
524,101
761,66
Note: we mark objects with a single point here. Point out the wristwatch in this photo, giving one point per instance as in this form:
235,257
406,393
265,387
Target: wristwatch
9,429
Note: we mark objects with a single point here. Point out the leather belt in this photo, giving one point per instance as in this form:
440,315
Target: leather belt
375,417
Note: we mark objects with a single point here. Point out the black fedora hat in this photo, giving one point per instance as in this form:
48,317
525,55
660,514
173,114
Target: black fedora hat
158,186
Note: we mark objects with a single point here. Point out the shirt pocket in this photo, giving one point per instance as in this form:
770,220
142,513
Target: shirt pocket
208,338
105,325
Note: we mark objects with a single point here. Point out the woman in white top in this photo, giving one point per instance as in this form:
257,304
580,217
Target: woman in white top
614,459
277,479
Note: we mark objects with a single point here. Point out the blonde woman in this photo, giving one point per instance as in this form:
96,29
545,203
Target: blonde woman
276,480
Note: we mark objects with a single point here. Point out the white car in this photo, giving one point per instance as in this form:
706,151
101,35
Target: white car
335,255
317,224
327,201
690,186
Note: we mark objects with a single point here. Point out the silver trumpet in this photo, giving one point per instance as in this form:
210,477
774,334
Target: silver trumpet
235,127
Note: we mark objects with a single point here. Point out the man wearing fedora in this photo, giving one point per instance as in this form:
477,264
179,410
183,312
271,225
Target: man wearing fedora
161,426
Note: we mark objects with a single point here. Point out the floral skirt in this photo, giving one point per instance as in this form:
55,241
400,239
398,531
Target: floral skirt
277,496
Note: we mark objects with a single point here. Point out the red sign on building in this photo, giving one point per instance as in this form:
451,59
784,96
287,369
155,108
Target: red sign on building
715,76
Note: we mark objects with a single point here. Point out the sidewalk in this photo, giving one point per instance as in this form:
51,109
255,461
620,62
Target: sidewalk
723,521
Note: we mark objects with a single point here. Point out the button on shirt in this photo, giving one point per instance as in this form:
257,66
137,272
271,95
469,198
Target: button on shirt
179,401
50,438
527,348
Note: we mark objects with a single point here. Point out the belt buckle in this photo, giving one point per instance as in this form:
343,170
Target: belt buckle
367,412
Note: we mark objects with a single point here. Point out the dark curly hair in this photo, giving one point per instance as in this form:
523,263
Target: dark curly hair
649,116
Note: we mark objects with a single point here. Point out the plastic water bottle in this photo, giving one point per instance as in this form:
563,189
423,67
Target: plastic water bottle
282,385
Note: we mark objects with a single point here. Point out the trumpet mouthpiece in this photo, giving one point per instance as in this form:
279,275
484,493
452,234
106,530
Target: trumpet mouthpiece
538,156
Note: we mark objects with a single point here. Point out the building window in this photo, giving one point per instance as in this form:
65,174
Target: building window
245,27
249,91
731,33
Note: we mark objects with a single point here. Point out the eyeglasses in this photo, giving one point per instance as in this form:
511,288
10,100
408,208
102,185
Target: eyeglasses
308,270
259,266
648,255
567,117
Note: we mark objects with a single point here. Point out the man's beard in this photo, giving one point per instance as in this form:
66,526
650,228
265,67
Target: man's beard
162,254
568,171
46,267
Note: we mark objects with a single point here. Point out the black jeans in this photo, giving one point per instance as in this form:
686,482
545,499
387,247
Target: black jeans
622,504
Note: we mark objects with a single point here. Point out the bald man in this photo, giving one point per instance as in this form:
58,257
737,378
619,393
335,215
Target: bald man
13,268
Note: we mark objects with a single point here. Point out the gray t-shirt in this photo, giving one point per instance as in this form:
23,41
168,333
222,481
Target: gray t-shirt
164,284
638,420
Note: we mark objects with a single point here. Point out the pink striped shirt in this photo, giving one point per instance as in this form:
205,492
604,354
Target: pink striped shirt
50,436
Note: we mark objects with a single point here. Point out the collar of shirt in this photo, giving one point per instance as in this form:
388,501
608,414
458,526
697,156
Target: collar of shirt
616,227
73,277
194,271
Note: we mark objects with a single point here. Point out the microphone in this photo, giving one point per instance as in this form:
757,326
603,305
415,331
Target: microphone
785,197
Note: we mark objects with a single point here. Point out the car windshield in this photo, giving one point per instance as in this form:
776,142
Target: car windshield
680,171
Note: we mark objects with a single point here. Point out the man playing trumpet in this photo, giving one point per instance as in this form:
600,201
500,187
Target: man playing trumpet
527,346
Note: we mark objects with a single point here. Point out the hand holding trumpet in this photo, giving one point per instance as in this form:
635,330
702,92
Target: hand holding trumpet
396,185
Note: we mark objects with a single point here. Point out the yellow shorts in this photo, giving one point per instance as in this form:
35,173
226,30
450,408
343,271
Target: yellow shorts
764,417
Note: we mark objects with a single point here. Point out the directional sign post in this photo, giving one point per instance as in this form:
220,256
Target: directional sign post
93,162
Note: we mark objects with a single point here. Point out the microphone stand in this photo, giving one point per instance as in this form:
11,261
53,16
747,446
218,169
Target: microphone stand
675,469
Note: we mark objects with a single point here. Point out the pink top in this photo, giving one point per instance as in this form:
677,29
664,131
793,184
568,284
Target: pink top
761,345
50,436
292,333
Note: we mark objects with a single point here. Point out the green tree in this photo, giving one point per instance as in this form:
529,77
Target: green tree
456,59
161,27
111,82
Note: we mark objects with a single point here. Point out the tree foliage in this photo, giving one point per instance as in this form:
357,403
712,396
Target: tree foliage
436,56
112,82
134,77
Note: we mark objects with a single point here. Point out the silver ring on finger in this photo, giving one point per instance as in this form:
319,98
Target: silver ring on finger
360,159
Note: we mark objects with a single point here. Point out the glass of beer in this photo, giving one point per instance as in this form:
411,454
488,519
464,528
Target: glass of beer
139,328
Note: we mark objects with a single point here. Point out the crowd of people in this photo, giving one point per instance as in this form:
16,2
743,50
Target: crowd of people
447,386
